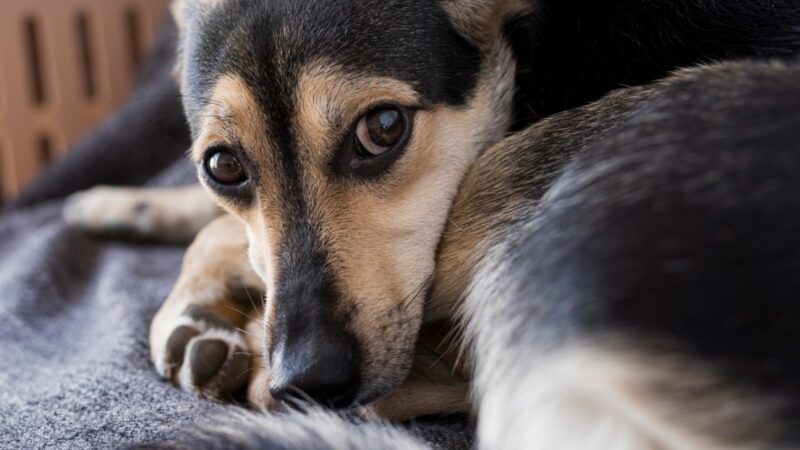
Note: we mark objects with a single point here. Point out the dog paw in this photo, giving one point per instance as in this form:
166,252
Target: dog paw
205,356
258,395
107,210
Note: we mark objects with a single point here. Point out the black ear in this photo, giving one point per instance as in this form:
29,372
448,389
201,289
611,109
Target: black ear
178,10
182,8
481,21
183,11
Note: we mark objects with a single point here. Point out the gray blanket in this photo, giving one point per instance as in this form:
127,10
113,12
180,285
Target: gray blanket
75,310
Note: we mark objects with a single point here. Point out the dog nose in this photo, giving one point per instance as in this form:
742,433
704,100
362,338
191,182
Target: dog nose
324,368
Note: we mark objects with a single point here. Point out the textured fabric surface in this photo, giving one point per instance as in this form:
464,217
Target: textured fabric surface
75,311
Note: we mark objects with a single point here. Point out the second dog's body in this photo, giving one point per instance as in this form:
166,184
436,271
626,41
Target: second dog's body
639,292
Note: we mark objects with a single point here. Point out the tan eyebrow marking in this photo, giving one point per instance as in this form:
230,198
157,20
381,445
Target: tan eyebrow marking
232,114
329,96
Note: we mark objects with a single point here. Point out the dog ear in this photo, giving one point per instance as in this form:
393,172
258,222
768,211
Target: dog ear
182,8
182,12
178,10
481,21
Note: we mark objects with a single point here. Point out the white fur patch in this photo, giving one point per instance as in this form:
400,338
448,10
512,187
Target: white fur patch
575,399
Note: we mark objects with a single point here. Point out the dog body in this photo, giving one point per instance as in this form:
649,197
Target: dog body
340,134
638,291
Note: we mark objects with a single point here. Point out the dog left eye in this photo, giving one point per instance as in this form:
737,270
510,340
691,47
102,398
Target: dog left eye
224,168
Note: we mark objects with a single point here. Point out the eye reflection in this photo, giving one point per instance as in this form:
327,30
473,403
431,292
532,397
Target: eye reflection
379,131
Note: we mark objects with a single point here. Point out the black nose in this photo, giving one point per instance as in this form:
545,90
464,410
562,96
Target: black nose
323,368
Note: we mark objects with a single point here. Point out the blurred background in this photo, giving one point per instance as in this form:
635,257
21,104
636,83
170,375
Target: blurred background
65,65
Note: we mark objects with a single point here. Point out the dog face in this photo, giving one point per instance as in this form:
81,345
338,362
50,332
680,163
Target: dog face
339,133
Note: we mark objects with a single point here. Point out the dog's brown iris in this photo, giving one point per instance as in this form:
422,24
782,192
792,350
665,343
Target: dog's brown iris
225,168
379,130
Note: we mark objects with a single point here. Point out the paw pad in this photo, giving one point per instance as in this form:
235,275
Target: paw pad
176,346
206,357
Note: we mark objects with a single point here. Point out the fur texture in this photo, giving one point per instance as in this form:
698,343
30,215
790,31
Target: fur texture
640,292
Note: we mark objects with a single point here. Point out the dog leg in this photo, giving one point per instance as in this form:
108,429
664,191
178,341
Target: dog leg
437,385
199,337
420,396
165,214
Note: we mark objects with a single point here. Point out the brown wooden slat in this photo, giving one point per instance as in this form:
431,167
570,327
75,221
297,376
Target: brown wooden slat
86,67
17,122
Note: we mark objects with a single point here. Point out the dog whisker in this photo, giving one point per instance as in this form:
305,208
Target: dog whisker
240,330
250,298
240,312
416,293
303,400
246,371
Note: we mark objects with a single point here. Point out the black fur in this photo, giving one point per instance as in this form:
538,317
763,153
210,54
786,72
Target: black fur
317,351
411,41
574,51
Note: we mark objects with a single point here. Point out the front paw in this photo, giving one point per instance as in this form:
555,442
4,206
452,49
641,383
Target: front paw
204,355
109,211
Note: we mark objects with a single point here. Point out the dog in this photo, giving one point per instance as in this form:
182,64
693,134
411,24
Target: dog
636,291
342,139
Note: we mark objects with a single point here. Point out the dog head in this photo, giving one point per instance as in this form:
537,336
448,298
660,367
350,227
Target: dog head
339,131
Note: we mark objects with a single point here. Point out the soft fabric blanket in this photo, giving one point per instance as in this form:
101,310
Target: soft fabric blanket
75,310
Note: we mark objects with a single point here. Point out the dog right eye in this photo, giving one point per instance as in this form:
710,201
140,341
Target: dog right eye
224,167
379,131
376,141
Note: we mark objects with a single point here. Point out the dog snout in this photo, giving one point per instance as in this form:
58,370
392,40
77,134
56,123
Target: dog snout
323,369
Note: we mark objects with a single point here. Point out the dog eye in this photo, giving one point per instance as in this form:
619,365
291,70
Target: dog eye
376,141
379,131
224,168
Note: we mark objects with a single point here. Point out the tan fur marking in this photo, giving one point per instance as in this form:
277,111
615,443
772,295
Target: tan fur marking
329,96
232,115
258,390
438,384
382,236
234,118
482,20
215,258
484,202
491,196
